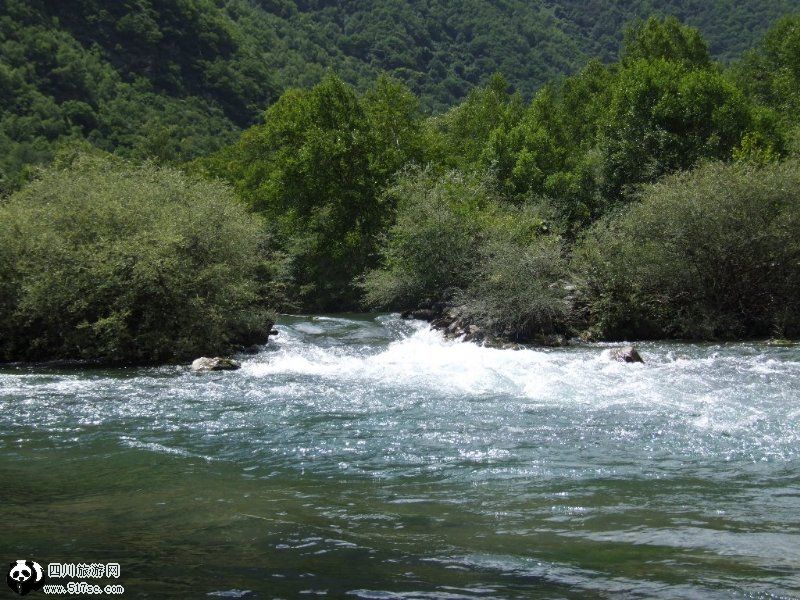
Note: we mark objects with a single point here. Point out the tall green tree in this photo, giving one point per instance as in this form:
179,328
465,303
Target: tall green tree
398,133
771,71
465,129
549,150
671,107
667,39
316,169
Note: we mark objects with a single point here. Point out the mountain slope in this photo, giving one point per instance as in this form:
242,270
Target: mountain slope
442,48
175,79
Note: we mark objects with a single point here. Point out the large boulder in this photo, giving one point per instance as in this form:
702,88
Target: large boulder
628,354
205,364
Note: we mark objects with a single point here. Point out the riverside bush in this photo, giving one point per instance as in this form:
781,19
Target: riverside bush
712,253
429,251
456,243
518,285
116,263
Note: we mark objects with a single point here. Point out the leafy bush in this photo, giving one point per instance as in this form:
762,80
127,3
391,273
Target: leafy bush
429,251
518,286
455,242
712,253
102,260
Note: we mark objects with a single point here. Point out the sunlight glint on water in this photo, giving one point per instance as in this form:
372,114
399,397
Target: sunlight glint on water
369,456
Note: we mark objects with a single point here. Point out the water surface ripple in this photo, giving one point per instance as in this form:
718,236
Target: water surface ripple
366,456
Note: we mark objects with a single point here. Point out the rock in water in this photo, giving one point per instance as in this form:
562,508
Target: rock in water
628,354
204,364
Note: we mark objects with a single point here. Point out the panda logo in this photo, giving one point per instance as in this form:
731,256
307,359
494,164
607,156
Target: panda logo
25,576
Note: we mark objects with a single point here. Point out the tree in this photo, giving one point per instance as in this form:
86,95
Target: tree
396,128
667,39
549,152
316,169
771,72
665,116
466,128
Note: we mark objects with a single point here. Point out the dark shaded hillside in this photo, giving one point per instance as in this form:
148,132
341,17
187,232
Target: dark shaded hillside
443,48
177,79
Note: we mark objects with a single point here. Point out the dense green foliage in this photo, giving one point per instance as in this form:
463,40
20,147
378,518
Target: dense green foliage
730,27
580,207
665,116
100,260
714,253
442,49
176,79
584,141
581,149
430,249
129,77
318,166
456,241
321,170
316,169
771,72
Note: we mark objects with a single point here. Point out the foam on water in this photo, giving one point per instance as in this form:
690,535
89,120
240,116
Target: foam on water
351,438
405,387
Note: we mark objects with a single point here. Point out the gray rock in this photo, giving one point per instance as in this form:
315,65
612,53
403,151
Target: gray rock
205,364
628,354
441,323
474,333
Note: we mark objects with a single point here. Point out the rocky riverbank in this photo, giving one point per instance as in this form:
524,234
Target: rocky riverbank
456,323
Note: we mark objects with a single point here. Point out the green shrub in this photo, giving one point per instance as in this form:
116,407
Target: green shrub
102,260
429,252
712,253
518,285
456,243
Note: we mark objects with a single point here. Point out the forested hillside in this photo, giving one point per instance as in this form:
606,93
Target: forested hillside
442,48
730,28
177,79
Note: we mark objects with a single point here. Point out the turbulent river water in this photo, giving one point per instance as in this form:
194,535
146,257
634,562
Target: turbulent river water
367,457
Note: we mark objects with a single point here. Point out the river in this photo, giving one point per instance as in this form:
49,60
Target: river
366,457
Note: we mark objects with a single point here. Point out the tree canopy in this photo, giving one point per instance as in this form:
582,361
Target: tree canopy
177,79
